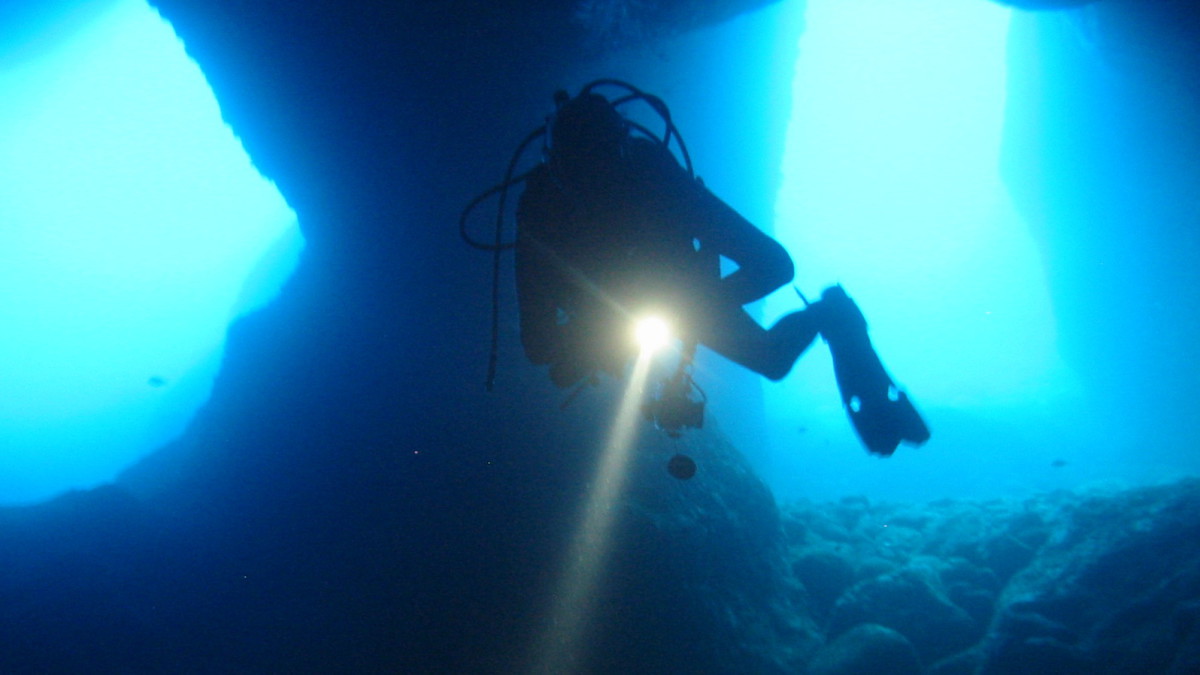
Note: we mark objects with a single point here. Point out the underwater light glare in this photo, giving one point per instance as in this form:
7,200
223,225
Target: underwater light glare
652,334
130,222
560,648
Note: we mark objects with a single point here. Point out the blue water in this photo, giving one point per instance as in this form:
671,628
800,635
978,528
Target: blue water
130,221
888,182
350,500
891,187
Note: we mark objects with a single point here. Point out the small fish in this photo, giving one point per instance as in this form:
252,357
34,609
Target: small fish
1058,463
156,381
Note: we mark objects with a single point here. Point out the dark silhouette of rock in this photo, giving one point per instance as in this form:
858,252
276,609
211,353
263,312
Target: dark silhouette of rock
334,508
825,575
910,603
867,649
1103,581
1110,591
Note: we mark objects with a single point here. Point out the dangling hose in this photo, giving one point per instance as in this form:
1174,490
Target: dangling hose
502,188
498,245
659,107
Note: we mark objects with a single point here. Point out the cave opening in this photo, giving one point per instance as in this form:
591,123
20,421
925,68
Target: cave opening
891,186
133,231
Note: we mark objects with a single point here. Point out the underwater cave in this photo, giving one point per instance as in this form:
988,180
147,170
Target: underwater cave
243,420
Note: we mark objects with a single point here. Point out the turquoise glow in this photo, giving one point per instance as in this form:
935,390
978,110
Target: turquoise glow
891,188
130,219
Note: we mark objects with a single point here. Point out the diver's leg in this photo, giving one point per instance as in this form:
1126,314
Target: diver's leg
734,334
881,413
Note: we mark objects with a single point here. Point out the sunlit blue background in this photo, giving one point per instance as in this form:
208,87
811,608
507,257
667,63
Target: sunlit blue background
130,220
891,187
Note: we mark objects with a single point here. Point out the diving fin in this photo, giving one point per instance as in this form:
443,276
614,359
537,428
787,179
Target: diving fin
881,413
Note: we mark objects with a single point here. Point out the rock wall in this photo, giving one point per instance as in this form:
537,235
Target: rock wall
1102,156
350,499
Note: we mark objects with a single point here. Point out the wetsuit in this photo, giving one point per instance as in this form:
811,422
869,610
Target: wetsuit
600,244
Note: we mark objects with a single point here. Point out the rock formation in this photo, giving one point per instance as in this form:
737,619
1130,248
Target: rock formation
351,500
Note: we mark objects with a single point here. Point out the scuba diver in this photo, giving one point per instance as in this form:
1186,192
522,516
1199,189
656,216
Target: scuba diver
611,227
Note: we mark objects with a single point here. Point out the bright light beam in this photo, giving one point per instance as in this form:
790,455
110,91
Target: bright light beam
652,334
559,649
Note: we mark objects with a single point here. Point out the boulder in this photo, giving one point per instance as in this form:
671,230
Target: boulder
910,602
825,575
867,649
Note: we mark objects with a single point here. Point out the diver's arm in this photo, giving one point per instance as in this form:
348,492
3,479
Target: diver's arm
763,264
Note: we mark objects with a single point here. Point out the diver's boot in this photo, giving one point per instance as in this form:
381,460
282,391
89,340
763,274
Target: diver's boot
881,413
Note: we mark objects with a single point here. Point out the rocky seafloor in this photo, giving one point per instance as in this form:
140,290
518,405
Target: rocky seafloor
707,575
1096,580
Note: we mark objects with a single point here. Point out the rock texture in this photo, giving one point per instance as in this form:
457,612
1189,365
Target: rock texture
867,649
352,501
349,568
1094,581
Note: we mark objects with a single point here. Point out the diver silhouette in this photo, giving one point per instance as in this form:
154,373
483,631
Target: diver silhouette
611,227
